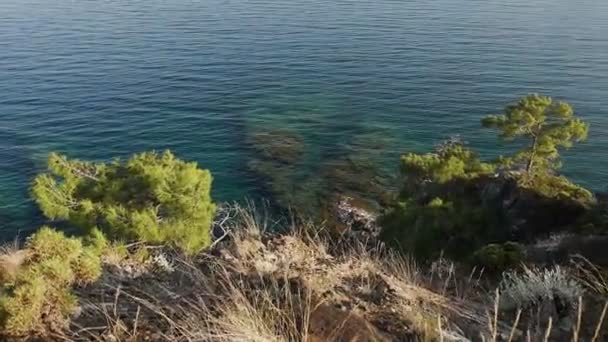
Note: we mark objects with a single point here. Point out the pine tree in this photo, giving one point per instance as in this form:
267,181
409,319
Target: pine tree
545,125
150,197
451,159
39,296
444,204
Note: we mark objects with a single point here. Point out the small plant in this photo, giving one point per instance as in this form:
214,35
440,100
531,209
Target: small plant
532,286
450,160
499,257
39,299
163,264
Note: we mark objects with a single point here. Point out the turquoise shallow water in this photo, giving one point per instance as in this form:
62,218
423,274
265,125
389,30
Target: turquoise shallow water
104,78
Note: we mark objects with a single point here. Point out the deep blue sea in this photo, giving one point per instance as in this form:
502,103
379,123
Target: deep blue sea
105,78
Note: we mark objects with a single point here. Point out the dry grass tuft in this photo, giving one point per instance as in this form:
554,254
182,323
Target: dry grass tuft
11,259
272,310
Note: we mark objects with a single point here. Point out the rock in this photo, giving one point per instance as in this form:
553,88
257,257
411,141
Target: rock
559,248
279,146
356,220
527,214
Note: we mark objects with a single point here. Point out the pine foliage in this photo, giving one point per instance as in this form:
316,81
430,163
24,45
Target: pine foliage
545,126
451,160
433,214
39,299
150,197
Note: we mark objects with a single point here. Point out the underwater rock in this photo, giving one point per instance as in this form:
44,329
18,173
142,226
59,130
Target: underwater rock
278,146
357,176
313,192
275,155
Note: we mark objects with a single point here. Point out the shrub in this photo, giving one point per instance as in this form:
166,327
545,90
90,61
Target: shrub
21,310
98,241
533,286
499,257
88,267
556,187
428,230
451,160
48,244
434,214
39,298
151,197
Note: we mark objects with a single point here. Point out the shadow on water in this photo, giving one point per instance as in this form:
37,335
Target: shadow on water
18,213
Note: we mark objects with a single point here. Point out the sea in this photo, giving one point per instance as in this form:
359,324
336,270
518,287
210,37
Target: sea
103,79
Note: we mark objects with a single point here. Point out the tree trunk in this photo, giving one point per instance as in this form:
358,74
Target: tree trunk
530,163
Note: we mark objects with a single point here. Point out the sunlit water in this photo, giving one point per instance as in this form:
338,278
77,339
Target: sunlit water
98,79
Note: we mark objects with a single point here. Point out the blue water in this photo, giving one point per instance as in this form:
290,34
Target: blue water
104,78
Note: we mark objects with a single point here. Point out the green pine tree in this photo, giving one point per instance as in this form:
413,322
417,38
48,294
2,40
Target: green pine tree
546,126
151,197
450,160
442,205
38,296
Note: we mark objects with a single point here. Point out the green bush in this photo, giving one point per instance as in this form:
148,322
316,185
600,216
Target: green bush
451,228
451,160
21,307
452,202
151,197
39,299
88,267
556,187
499,257
434,214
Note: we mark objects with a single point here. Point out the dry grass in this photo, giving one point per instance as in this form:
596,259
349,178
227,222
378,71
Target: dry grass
590,275
274,310
259,287
11,258
547,301
300,286
532,286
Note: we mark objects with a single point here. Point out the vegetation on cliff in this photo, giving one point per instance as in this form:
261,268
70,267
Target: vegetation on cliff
257,285
452,202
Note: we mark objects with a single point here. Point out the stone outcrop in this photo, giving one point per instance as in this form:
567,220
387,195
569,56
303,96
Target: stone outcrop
526,214
358,222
